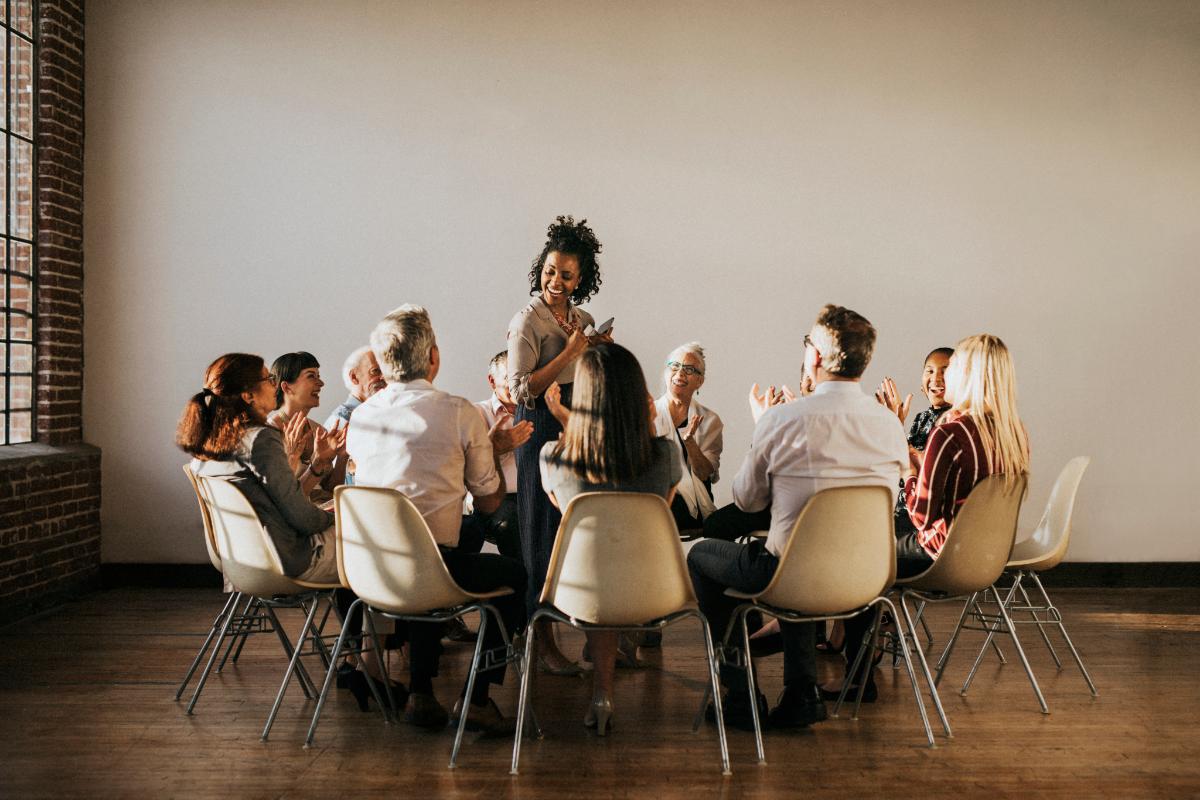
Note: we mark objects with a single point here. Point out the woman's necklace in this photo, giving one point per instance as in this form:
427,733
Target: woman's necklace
568,327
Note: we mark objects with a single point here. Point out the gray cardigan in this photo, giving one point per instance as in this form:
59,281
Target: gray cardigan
261,471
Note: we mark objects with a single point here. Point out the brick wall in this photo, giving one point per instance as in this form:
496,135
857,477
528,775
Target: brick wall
50,490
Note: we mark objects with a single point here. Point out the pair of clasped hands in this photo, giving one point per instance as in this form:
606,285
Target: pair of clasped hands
326,444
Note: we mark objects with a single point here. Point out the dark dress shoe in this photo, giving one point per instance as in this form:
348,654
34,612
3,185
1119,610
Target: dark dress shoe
737,712
424,711
870,694
798,708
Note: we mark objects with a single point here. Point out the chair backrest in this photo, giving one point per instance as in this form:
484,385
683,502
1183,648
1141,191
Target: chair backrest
841,554
617,560
209,544
248,556
387,555
980,539
1053,532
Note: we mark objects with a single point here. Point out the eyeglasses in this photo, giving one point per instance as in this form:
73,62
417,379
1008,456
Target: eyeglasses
686,369
269,379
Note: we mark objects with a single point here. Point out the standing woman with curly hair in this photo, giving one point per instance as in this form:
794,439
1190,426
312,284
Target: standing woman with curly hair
545,341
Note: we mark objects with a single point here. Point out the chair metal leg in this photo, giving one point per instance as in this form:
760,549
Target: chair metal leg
389,708
212,658
329,674
872,635
933,692
466,700
217,624
758,742
287,676
1012,632
873,642
306,683
945,657
912,675
523,697
1033,612
1063,630
993,628
715,682
242,634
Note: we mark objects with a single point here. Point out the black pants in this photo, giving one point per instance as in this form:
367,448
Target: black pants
475,572
501,528
911,559
716,566
730,523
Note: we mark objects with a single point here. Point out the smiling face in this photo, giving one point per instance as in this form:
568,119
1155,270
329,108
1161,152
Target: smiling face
933,379
684,375
304,393
367,377
261,398
560,277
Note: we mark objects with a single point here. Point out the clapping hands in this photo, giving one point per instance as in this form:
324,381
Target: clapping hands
505,440
759,403
888,396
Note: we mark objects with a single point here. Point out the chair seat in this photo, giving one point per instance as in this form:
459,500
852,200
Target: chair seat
467,597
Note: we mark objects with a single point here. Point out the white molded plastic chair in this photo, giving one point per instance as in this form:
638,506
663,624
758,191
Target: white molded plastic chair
1044,550
251,619
973,556
250,562
387,556
617,565
838,562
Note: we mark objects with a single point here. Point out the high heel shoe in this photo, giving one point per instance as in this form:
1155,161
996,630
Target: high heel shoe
599,715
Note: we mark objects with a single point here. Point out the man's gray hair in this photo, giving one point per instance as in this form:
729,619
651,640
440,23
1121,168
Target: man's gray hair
403,342
351,364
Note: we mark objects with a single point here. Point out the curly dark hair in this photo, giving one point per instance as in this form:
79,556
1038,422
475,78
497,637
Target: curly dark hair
571,238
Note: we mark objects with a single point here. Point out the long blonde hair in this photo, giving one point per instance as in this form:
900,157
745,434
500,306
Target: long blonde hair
983,382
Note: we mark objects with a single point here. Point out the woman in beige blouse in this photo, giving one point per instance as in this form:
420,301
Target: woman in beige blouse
545,340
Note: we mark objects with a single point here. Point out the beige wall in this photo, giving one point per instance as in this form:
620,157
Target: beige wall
276,176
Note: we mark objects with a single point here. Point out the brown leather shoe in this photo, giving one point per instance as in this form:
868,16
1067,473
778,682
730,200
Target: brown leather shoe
486,719
424,711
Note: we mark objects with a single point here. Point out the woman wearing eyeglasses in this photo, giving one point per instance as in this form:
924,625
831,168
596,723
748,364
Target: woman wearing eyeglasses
695,431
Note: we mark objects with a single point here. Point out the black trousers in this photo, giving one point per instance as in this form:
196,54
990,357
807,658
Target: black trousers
716,566
911,559
730,523
501,528
475,572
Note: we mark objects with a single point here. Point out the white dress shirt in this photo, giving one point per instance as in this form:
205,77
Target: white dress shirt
710,437
837,436
491,410
430,445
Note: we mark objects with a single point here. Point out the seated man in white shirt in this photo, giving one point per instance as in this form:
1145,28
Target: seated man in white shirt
500,527
434,447
836,436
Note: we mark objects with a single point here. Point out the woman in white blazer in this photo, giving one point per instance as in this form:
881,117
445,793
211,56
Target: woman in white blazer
696,432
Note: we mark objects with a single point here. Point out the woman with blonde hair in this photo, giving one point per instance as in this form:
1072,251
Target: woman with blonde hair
980,435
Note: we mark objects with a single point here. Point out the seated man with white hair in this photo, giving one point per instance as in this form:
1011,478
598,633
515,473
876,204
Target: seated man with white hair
434,447
363,378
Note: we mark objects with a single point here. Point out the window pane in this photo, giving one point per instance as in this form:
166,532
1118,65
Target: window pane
20,427
22,258
22,16
3,394
22,392
3,84
21,189
20,358
21,86
3,198
20,293
20,327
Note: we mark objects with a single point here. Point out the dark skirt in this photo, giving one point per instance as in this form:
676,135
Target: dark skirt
538,519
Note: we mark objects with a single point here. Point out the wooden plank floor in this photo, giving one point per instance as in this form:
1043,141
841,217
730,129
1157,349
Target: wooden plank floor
86,711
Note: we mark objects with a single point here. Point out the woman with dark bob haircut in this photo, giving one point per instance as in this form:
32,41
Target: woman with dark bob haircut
545,340
608,446
317,456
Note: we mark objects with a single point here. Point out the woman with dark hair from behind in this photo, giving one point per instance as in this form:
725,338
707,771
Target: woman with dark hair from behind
545,341
224,427
608,446
317,456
